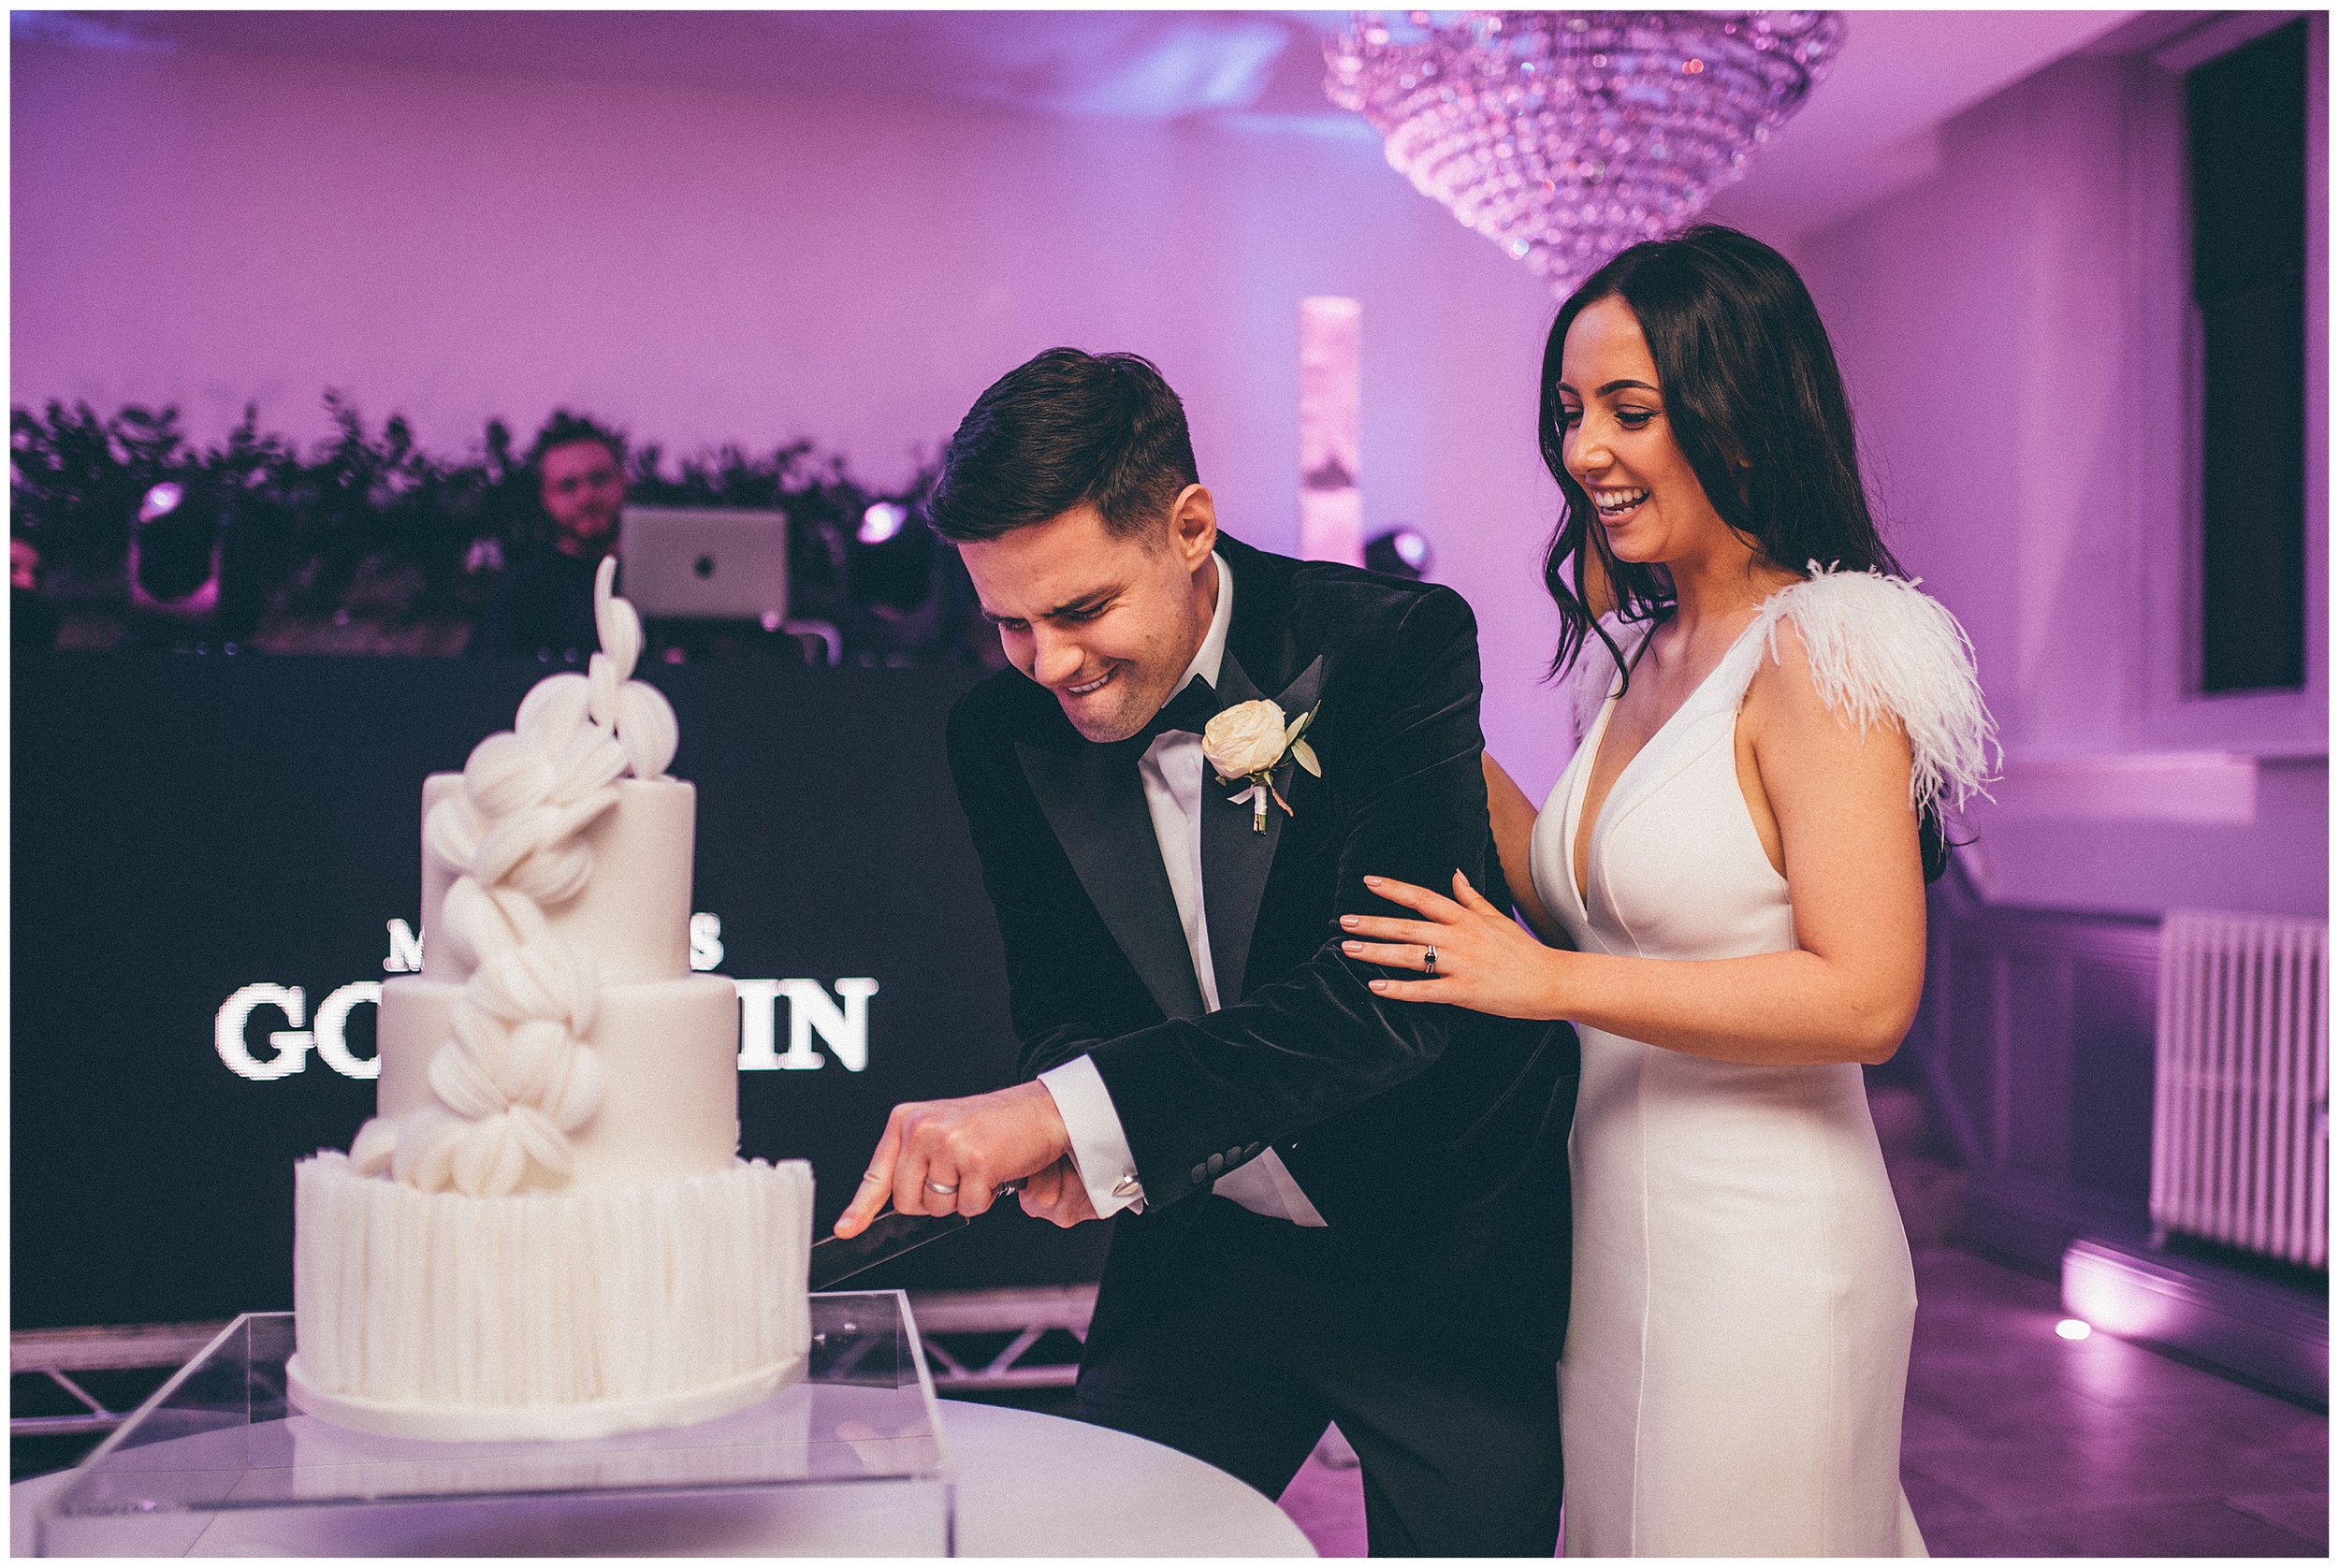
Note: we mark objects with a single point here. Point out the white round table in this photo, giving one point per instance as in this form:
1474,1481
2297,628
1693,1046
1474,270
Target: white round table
1028,1485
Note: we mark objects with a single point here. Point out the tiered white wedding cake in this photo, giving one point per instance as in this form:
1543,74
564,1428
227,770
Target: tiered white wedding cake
545,1231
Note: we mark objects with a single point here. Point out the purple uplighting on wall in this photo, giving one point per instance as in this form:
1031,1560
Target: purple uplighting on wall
1332,404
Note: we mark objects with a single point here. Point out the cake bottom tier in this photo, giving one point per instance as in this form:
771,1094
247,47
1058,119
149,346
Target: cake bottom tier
565,1314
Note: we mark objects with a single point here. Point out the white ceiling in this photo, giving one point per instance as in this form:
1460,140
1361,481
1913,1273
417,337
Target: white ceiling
1868,127
1873,122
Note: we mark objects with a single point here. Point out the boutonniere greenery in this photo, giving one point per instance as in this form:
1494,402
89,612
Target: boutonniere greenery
1246,743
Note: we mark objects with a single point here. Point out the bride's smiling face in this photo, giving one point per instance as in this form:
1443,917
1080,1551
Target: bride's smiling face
1620,447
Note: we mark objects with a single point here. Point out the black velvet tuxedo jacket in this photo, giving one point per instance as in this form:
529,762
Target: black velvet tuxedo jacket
1432,1139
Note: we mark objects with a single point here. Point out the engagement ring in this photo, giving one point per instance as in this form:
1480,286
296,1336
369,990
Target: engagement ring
1428,961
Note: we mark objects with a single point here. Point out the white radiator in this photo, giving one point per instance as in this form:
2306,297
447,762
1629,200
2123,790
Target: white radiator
2241,1109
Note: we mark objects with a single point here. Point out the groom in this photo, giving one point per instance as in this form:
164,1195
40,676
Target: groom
1327,1207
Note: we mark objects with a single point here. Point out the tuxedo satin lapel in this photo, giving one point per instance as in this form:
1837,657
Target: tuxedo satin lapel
1235,860
1097,805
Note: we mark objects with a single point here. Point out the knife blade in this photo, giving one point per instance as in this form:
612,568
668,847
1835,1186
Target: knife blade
889,1236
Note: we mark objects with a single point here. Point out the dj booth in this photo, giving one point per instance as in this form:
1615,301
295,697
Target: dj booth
217,860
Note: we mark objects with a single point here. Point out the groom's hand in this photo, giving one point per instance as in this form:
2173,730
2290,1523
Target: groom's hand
1058,1195
950,1156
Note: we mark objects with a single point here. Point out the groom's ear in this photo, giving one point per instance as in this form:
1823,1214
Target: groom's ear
1192,526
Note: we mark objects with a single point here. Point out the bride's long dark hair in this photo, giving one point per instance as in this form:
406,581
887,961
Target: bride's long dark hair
1754,400
1756,403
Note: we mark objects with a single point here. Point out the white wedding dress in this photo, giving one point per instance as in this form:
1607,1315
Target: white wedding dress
1738,1345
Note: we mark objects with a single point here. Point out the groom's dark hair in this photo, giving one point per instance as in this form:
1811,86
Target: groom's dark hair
1064,429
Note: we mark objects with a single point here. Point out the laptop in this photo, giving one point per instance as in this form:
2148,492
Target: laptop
694,563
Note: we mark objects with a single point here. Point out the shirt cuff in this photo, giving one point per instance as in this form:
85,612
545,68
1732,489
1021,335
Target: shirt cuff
1100,1149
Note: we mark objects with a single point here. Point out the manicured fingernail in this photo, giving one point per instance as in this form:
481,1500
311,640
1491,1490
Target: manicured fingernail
1380,985
1352,946
1349,921
1371,882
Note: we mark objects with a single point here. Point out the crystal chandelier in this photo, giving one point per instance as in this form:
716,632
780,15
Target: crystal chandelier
1565,136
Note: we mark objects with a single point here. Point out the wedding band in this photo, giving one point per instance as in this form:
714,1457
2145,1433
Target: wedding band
939,1190
1428,961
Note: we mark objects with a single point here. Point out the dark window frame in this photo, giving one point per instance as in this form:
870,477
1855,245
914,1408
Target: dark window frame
2245,154
2163,368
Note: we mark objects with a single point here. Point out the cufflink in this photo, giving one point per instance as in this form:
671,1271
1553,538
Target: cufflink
1126,1187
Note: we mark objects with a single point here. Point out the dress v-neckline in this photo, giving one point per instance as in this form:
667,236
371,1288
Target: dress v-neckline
1583,828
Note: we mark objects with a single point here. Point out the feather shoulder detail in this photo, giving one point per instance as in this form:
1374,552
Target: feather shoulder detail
1879,646
1594,676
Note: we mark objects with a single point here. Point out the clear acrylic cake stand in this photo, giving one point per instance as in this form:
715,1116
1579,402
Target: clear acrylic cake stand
849,1461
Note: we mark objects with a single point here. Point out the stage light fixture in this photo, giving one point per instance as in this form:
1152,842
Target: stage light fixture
888,563
174,555
1402,551
2073,1328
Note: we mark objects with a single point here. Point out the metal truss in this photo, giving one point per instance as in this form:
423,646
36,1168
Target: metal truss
57,1354
947,1321
1027,1312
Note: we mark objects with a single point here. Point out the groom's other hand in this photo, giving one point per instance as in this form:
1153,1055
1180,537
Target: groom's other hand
950,1156
1058,1195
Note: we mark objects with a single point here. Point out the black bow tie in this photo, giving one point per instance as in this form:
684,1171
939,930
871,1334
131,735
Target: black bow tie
1190,710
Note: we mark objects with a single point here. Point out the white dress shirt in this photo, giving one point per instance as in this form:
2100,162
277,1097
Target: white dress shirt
1172,771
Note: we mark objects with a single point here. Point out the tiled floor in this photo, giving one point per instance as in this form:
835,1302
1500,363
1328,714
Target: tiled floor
2019,1444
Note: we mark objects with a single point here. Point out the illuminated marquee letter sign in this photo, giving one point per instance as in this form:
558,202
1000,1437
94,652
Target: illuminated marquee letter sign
844,1028
329,1036
840,1022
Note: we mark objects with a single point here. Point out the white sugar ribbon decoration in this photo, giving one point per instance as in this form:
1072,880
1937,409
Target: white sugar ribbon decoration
516,1076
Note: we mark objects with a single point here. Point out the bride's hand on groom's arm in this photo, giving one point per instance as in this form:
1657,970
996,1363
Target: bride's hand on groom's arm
1485,961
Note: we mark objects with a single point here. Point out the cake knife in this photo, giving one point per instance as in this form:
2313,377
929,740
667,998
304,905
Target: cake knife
889,1236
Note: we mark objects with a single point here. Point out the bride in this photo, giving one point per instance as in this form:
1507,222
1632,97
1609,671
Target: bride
1772,721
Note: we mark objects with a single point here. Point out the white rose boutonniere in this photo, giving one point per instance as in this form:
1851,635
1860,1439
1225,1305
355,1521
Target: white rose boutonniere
1247,743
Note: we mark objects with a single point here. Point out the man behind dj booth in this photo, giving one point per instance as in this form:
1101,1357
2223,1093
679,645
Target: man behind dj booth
543,603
